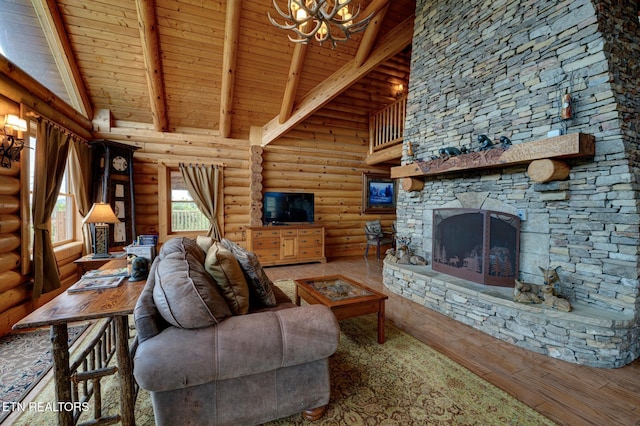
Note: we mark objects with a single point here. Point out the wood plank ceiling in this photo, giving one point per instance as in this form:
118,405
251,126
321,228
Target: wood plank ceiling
157,65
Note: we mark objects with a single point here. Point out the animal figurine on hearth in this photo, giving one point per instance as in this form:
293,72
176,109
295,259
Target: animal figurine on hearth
485,143
546,293
525,293
405,258
553,301
550,277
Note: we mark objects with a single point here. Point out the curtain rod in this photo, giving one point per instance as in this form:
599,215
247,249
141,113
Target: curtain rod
33,114
181,164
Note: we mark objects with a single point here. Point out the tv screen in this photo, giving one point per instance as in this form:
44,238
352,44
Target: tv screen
287,207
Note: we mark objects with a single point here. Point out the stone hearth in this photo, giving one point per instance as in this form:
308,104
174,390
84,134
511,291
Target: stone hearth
587,335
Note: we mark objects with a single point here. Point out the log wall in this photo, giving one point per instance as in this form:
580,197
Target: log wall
15,286
236,180
320,156
328,161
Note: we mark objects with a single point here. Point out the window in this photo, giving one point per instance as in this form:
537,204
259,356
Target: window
185,215
63,217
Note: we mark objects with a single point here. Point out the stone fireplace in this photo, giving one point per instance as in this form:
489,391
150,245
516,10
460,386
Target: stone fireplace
501,74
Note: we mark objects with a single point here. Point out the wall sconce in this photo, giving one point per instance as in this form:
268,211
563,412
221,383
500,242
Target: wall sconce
11,145
399,90
100,216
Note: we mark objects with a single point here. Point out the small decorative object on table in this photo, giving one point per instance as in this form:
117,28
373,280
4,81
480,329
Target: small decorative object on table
86,284
139,269
147,251
100,273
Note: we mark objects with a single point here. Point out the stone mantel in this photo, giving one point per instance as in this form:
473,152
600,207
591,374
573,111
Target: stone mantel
574,145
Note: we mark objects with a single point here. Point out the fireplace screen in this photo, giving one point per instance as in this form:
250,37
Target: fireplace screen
482,246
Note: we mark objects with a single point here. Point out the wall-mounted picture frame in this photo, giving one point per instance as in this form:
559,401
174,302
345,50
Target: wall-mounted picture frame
379,193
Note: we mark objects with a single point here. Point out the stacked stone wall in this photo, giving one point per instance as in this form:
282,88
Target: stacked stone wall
500,68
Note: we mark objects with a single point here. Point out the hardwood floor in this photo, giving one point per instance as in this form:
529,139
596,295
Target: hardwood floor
566,393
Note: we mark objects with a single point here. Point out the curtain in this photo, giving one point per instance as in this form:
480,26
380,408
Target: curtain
203,182
80,180
52,150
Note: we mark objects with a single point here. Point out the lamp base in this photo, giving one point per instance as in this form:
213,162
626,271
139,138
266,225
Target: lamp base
100,241
101,255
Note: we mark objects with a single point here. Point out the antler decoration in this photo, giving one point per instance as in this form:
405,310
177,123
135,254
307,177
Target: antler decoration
319,19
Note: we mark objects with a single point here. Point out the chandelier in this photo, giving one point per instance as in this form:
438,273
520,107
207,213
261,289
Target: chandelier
322,20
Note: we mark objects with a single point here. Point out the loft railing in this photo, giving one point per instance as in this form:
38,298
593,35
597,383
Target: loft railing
188,220
386,126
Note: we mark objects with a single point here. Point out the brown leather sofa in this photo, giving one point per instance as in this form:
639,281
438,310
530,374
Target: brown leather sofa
204,365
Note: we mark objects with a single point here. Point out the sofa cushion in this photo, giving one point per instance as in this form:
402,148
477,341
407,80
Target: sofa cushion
222,265
184,293
259,284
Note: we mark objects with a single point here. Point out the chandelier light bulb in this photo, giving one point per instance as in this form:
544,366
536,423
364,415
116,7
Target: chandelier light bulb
333,20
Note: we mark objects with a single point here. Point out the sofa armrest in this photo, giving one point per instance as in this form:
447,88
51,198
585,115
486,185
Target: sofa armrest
238,346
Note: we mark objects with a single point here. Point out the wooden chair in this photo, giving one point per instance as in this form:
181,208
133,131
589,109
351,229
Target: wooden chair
376,237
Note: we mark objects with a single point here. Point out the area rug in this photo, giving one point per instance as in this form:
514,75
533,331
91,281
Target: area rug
26,358
401,382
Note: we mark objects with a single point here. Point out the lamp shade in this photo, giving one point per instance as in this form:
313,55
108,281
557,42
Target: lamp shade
15,122
101,213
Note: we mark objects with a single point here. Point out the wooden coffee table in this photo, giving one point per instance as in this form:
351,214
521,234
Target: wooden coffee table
345,297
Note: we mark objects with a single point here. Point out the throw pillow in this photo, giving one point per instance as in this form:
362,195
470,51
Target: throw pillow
184,293
260,285
204,242
222,265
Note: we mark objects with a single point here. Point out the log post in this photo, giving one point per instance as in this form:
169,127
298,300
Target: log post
548,170
255,186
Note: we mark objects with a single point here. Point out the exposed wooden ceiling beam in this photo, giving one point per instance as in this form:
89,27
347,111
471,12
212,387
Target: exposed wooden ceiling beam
152,62
290,90
391,44
377,8
135,136
371,33
60,47
229,56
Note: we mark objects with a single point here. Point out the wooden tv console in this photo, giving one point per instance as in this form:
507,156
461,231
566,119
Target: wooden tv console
287,244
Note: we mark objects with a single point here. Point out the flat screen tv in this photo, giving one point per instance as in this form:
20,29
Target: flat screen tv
287,207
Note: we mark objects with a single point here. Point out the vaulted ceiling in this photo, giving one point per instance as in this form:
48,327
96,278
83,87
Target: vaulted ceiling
204,66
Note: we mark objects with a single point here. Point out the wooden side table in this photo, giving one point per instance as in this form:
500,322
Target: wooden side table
88,263
116,303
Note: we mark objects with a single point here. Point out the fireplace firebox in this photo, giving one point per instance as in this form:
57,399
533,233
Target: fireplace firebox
482,246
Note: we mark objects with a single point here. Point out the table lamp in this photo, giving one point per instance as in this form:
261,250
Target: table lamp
100,216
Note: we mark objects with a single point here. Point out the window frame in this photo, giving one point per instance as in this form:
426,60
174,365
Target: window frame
72,211
164,205
170,224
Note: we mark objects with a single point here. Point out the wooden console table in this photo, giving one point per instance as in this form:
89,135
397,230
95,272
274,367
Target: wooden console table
287,245
116,303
